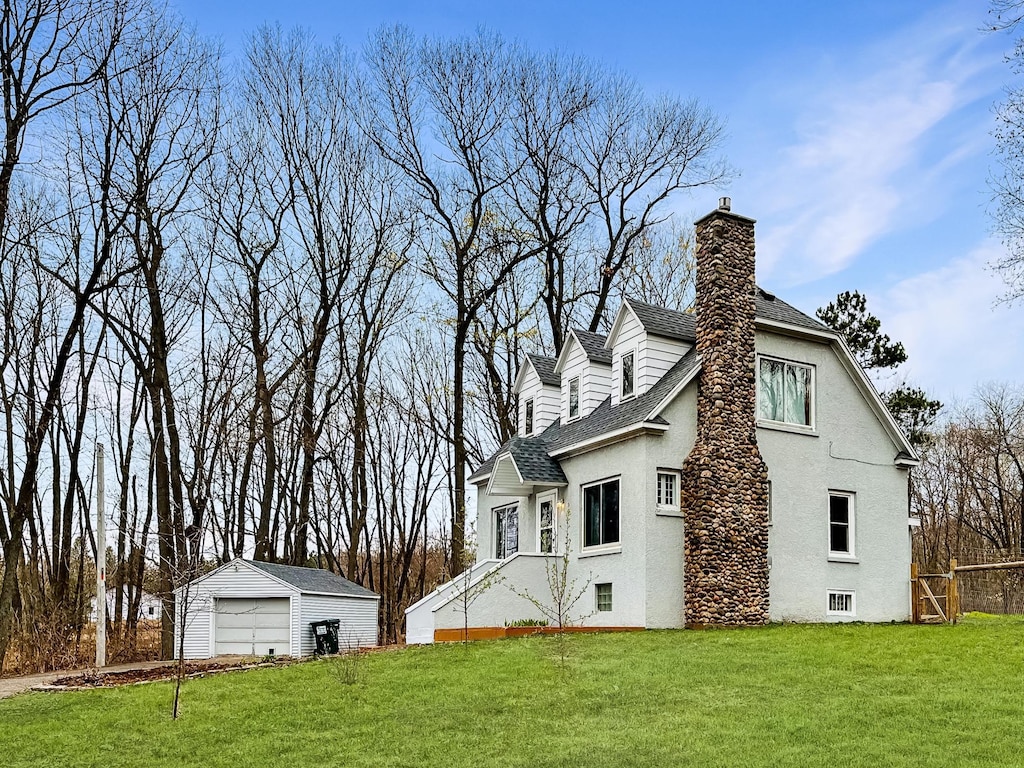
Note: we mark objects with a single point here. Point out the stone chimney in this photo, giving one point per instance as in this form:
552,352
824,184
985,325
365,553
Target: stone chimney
724,483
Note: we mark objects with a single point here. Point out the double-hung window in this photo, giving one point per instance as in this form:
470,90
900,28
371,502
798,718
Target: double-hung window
628,374
528,417
785,392
574,397
601,513
840,525
668,490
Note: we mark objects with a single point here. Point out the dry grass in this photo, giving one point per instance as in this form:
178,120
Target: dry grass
46,647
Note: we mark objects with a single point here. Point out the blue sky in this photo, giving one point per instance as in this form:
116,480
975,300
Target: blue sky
861,132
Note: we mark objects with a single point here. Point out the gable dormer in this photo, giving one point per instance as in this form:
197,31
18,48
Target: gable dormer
645,341
537,394
585,374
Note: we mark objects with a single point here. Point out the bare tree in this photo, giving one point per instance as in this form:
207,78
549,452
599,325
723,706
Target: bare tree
50,51
473,242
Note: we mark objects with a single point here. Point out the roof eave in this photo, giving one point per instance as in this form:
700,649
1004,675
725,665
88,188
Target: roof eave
798,331
607,438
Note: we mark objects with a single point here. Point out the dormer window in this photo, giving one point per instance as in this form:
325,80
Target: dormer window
528,417
574,397
628,374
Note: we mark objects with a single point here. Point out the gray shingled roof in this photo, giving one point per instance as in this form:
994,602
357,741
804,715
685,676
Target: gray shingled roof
665,322
659,321
593,346
313,579
545,368
770,307
682,325
533,461
605,418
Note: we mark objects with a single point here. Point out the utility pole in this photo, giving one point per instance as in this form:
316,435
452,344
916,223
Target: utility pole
101,565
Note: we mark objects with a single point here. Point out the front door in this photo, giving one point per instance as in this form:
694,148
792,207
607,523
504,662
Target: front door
506,531
546,523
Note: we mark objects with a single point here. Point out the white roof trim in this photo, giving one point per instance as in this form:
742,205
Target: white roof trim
676,390
614,332
796,330
570,338
519,376
606,438
497,460
250,566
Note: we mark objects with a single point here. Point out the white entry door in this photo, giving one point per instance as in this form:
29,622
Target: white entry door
253,626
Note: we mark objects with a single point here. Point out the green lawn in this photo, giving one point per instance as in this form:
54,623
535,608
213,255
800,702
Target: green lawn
853,695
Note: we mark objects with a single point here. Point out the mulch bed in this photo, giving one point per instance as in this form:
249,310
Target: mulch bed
95,679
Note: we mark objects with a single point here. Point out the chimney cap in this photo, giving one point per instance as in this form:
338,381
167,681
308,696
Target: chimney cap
724,209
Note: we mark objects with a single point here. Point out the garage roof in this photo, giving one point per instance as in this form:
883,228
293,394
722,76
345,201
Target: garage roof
312,579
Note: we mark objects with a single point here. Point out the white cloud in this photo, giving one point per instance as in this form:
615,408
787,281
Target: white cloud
873,150
956,334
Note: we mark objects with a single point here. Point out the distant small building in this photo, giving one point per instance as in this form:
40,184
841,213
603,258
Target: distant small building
252,608
150,607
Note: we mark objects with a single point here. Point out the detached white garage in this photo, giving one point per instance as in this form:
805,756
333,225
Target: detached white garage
251,608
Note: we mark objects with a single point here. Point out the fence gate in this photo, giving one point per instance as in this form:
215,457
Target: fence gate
934,595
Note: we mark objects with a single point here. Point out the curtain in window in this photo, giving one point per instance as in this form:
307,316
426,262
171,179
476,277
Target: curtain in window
770,404
797,400
784,392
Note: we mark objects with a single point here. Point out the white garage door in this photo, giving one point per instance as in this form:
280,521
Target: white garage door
255,627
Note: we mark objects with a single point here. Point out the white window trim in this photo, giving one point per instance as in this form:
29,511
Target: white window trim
635,352
494,527
852,613
612,547
851,555
787,426
528,417
667,507
551,496
579,398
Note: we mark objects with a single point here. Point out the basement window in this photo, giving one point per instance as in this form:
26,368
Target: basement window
603,595
841,603
785,392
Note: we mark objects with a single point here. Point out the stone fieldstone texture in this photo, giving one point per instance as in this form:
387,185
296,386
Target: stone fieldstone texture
724,482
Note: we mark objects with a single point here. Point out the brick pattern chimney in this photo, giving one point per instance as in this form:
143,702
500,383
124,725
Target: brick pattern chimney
724,483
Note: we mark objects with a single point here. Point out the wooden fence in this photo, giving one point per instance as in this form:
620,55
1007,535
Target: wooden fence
936,597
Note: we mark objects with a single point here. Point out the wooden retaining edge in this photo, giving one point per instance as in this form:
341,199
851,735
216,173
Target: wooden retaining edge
498,633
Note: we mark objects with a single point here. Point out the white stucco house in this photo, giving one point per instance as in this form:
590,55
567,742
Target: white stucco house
252,608
598,469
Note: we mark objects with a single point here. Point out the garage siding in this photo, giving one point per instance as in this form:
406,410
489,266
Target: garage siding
358,617
245,582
